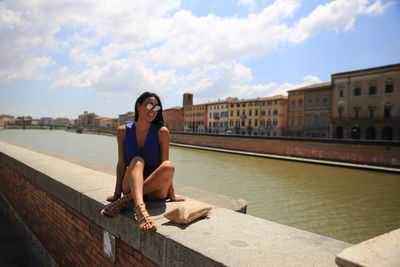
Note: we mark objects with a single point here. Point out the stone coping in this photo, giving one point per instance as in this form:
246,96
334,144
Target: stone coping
226,238
383,250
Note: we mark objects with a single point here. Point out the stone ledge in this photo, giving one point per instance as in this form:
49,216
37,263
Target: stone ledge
225,238
383,250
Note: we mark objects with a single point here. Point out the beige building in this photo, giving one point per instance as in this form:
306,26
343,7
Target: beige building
259,116
366,104
217,115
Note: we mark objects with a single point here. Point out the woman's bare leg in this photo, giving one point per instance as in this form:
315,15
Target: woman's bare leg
155,186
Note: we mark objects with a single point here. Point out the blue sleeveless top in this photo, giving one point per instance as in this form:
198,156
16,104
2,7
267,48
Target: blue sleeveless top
150,151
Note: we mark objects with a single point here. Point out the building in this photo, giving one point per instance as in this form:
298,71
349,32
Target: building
126,118
46,121
366,104
295,115
61,122
217,115
273,115
310,105
195,118
259,116
173,119
6,119
86,119
101,122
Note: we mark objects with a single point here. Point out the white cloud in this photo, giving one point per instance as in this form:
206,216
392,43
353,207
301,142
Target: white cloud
336,15
124,47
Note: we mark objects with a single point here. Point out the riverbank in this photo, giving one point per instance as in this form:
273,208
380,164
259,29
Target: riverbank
340,152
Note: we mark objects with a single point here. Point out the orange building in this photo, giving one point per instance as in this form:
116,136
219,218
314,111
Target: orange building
273,115
195,118
295,117
310,110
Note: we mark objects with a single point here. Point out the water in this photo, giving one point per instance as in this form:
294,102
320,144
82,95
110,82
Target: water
346,204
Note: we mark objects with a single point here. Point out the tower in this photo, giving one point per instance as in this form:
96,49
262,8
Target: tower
187,99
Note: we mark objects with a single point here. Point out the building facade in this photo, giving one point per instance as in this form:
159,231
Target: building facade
295,116
317,110
273,116
173,119
126,118
259,116
217,115
195,117
366,104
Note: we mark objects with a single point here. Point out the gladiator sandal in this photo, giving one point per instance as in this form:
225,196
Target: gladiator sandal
143,218
112,209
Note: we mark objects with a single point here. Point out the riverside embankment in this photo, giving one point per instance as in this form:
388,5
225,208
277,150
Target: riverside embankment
375,153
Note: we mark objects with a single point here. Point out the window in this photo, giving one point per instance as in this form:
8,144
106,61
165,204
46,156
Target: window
250,112
275,112
325,100
237,105
255,123
275,123
262,112
299,122
242,123
292,103
231,123
340,113
249,122
387,113
256,112
372,90
341,92
389,87
231,113
237,112
357,113
357,91
269,112
300,102
310,100
371,111
317,101
244,104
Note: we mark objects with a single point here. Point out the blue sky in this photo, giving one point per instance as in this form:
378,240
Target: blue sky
60,58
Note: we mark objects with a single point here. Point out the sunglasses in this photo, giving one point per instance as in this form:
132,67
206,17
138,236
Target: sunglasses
150,106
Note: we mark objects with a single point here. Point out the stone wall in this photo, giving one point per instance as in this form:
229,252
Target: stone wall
363,152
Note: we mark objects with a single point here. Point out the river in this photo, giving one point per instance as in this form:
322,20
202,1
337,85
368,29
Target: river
351,205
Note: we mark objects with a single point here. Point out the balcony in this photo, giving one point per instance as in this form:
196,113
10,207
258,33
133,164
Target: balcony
347,120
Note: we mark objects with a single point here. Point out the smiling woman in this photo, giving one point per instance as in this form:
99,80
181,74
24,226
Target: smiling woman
143,168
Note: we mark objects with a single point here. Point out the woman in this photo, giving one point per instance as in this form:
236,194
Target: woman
143,167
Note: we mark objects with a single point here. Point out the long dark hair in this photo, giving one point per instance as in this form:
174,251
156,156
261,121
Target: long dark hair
158,120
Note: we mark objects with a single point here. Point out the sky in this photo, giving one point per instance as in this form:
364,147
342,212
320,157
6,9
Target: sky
59,58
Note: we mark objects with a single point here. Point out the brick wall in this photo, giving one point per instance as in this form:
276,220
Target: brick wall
70,238
365,152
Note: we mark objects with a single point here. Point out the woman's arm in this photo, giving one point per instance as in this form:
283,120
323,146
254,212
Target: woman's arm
163,134
121,164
